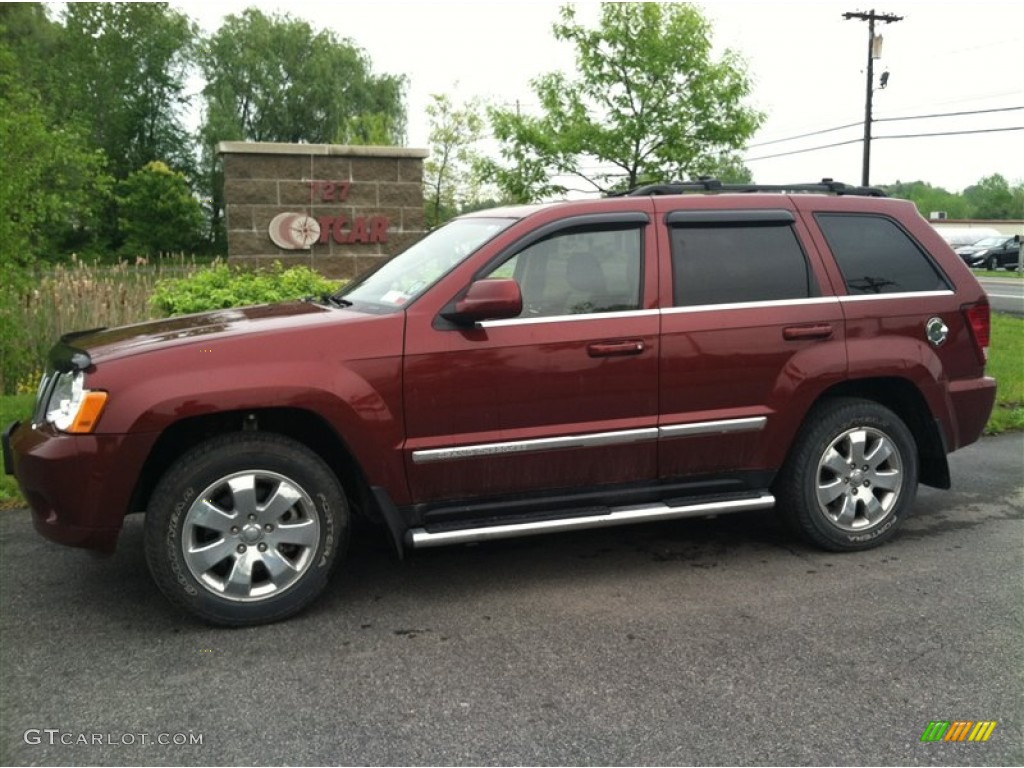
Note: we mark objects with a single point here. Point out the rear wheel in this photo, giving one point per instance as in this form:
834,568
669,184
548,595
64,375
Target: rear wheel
245,529
852,476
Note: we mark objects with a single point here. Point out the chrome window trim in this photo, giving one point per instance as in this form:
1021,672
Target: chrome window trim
568,318
751,305
597,439
900,295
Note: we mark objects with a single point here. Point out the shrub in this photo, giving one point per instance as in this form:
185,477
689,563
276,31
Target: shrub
158,213
220,286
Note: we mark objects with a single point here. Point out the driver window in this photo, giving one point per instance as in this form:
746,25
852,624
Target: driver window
579,271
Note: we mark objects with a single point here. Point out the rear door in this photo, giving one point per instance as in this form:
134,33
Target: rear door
749,338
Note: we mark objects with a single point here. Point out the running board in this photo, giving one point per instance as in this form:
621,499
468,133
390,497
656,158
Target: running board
420,538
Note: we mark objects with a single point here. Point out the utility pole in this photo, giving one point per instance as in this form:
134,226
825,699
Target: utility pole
870,17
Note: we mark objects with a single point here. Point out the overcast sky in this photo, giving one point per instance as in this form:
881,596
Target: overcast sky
806,61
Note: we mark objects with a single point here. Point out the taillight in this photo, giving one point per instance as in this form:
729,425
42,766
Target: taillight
979,320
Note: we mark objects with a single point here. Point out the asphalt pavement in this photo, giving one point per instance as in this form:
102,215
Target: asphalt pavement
1005,294
707,642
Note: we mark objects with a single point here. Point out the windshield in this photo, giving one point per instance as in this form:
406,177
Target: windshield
988,242
400,280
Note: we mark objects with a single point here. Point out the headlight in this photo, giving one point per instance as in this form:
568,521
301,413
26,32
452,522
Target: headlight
71,407
979,254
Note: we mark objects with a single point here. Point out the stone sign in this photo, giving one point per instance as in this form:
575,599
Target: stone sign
335,208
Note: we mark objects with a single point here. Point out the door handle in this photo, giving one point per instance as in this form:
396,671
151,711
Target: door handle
798,332
615,348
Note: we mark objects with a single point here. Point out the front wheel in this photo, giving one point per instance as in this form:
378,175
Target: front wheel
993,263
245,529
852,475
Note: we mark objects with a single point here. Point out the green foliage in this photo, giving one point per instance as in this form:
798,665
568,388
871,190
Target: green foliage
52,186
1006,364
451,179
220,286
272,78
649,101
369,129
68,297
993,197
11,408
124,69
158,212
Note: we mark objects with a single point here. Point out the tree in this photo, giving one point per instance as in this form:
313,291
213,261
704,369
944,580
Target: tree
272,78
929,199
32,38
450,173
49,193
649,104
159,213
52,186
992,198
125,68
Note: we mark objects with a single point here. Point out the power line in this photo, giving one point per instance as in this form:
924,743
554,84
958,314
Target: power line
948,114
884,120
803,135
879,138
802,151
952,133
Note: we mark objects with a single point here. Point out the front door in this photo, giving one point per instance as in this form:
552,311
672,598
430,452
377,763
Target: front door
563,396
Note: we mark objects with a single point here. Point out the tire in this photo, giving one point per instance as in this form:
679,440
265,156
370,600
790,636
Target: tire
245,529
993,263
852,476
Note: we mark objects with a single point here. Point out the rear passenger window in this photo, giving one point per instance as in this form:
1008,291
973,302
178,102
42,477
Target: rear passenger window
875,255
734,262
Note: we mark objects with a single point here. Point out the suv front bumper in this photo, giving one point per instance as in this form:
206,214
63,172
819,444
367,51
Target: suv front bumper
79,487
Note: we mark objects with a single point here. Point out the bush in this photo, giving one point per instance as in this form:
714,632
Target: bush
158,213
220,286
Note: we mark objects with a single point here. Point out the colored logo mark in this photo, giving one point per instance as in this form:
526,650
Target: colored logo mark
958,730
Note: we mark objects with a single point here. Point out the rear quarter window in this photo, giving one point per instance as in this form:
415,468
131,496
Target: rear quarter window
877,256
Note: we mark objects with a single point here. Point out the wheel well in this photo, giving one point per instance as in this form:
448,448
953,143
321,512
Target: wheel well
300,425
906,401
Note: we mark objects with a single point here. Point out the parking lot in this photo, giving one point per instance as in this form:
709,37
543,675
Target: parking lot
692,642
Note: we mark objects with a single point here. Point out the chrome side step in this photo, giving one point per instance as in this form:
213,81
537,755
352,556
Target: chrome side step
420,538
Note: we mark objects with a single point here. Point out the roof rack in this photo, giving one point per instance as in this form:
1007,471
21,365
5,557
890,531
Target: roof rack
705,184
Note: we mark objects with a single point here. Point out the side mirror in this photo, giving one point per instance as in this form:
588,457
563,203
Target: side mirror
495,299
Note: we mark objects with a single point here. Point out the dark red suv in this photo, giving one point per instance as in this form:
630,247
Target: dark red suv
685,349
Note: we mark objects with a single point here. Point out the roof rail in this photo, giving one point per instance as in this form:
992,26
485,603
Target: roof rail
705,184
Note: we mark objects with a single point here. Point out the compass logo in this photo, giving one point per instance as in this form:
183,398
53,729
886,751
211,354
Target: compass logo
294,231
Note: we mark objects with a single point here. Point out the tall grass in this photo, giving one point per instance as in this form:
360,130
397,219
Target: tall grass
70,297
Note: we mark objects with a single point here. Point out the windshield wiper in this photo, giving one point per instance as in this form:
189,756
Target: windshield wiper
330,298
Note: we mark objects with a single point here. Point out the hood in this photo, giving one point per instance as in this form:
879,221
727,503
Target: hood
105,343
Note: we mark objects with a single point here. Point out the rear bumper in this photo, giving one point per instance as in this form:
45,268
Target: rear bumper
972,401
78,486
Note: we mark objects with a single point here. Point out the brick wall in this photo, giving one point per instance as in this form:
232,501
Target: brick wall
367,203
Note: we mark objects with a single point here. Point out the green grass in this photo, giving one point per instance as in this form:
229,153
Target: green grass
12,407
1005,363
998,273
